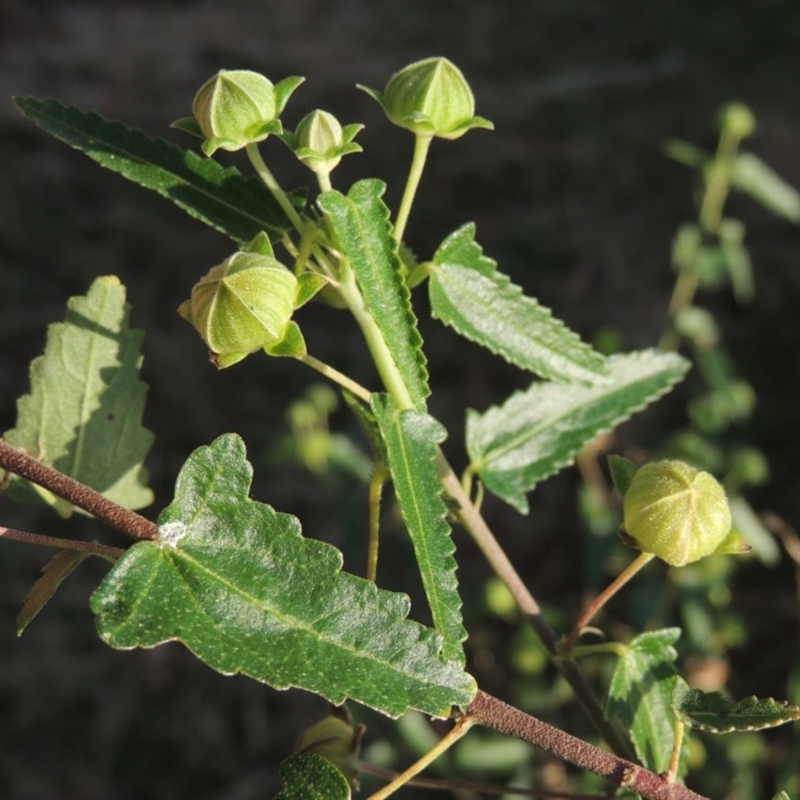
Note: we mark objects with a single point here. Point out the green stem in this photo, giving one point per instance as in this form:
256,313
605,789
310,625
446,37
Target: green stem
376,485
421,146
268,178
447,741
337,377
641,560
476,526
381,355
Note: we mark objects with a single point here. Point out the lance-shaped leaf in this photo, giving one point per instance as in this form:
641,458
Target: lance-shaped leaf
538,431
411,439
221,197
236,582
640,695
472,297
715,713
360,222
84,413
307,776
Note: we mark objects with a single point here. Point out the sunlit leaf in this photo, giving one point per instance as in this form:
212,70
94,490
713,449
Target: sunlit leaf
472,297
360,222
411,439
540,430
237,583
84,413
715,713
640,695
221,197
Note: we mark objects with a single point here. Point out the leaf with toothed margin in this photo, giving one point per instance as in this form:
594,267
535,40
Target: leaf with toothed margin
360,223
540,430
411,439
237,583
468,294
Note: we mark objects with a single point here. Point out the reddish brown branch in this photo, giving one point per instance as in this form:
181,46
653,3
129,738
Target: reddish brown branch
128,522
494,713
61,544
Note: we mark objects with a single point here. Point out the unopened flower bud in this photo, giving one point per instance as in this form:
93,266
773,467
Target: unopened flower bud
239,107
242,305
320,141
675,511
430,98
738,119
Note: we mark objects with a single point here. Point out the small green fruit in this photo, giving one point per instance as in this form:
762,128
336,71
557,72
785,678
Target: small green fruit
242,305
239,107
675,511
320,141
430,98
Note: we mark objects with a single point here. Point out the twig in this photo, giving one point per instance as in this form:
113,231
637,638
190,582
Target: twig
494,713
61,544
128,522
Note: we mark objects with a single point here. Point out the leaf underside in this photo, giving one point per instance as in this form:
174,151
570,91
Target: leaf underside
361,224
221,197
236,582
468,294
411,439
538,431
715,713
83,415
640,696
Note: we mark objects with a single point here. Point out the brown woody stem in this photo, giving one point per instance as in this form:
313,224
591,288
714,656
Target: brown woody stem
62,544
128,522
494,713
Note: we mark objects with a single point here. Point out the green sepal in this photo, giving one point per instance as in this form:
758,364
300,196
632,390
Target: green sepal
291,344
622,472
188,125
733,544
308,284
214,143
260,244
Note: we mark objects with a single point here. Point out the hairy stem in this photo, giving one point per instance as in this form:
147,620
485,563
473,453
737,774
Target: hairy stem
128,522
474,523
641,560
337,377
421,146
268,178
103,550
494,713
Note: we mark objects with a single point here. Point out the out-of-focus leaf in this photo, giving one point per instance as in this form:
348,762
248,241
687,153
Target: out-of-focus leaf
752,176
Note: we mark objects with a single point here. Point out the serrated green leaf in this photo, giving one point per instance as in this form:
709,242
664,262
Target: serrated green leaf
715,713
84,413
468,294
307,776
752,176
640,696
221,197
411,439
538,431
53,575
236,582
360,222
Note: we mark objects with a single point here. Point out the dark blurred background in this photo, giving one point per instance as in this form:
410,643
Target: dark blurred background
571,194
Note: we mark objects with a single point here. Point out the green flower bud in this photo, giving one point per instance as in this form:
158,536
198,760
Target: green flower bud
430,98
320,141
738,120
242,305
239,107
676,512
